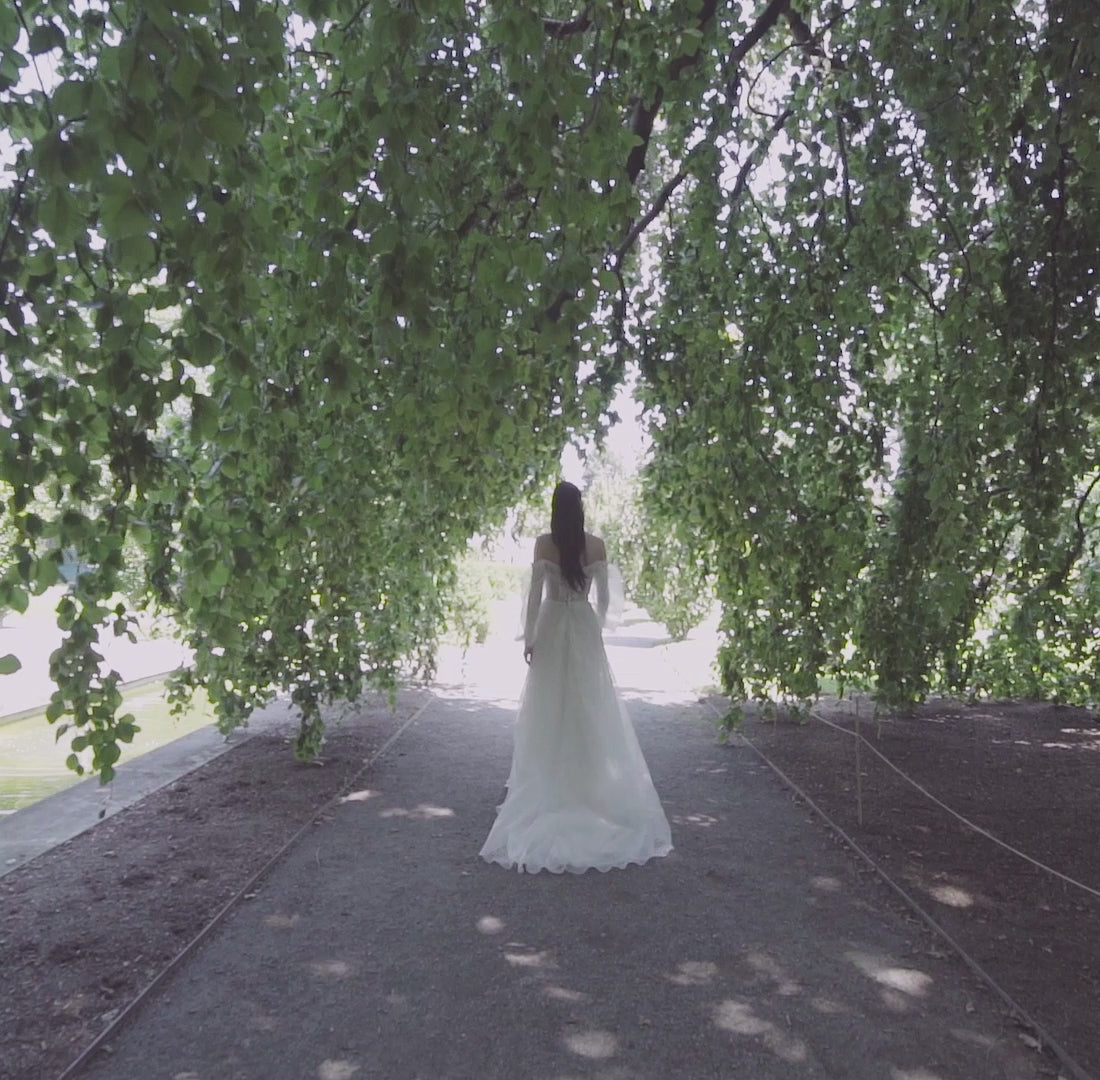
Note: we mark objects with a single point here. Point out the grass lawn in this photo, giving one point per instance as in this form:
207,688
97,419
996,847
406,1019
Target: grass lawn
32,762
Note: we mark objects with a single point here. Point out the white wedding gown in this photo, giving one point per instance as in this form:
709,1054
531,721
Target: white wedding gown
579,794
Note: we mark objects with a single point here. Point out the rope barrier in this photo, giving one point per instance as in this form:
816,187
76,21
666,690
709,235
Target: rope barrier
1014,1008
954,813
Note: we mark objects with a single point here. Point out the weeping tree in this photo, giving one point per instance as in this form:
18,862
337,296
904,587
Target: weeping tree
297,296
874,385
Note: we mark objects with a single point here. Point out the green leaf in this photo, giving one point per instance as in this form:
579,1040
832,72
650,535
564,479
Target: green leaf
122,218
59,215
70,99
9,664
125,728
134,254
46,36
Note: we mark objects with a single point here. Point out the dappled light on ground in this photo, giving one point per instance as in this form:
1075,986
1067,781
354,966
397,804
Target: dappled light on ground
423,812
752,1001
359,796
738,1018
767,966
694,973
1093,744
563,993
894,1000
700,820
982,815
337,1070
330,969
1087,739
951,895
529,959
828,1007
596,1045
903,980
753,952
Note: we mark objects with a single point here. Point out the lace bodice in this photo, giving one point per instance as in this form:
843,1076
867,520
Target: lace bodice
547,583
559,591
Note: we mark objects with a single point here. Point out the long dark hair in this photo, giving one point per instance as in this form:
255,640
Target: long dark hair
567,531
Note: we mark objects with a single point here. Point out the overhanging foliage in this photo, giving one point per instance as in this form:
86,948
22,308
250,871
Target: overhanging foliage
299,295
876,382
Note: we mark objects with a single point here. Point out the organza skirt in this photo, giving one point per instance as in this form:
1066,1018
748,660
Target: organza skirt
579,793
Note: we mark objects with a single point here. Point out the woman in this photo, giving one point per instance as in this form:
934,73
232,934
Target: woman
579,794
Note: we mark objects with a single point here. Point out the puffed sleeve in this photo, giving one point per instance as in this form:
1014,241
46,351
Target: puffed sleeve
532,602
610,598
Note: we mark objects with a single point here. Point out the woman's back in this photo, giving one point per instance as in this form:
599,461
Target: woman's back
579,793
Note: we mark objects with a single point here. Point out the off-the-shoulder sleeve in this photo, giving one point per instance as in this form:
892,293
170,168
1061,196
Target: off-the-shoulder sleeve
532,601
610,599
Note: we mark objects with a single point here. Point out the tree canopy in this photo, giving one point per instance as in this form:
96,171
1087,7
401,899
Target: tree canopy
298,295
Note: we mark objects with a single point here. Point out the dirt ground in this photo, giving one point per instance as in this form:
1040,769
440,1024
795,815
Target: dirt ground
1028,774
85,927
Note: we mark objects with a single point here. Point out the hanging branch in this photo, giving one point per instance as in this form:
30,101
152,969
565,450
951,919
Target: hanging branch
646,219
747,165
768,18
16,206
643,116
670,187
1055,238
355,17
563,28
34,63
1056,579
845,172
804,38
620,306
924,291
473,219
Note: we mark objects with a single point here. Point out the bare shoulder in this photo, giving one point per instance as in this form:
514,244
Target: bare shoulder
595,548
544,547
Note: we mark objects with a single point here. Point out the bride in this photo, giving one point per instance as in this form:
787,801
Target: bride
579,794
